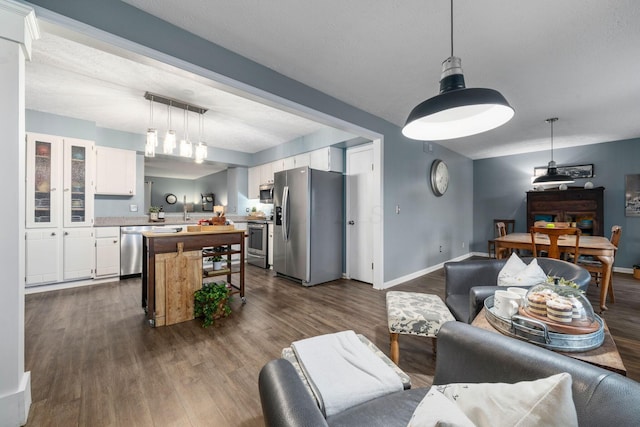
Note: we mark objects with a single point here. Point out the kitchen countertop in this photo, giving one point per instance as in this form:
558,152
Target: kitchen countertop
124,221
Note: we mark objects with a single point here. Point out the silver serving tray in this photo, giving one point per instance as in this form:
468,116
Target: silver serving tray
536,332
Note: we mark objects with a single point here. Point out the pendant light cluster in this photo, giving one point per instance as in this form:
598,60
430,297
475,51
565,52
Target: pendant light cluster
186,148
552,177
457,111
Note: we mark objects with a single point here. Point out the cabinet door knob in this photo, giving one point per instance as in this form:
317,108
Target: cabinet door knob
66,233
352,222
115,241
53,233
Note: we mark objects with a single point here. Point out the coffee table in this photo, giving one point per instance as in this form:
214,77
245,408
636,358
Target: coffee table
606,356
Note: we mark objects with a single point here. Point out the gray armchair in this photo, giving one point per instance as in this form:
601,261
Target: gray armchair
468,283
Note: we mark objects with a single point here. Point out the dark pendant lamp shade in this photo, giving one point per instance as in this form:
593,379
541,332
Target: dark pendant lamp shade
552,177
456,111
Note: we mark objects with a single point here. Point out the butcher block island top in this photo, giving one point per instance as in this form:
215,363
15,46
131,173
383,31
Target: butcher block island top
172,270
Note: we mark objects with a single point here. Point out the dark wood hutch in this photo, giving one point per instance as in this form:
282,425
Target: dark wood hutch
575,204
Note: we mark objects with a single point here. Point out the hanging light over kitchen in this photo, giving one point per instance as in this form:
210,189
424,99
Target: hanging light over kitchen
457,111
201,148
152,134
170,138
186,149
552,176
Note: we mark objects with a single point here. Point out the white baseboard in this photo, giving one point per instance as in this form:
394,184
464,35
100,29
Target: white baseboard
422,272
68,285
14,407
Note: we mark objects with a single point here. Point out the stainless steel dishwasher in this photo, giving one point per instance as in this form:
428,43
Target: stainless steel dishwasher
131,249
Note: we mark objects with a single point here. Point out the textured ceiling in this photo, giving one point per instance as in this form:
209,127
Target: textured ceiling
576,59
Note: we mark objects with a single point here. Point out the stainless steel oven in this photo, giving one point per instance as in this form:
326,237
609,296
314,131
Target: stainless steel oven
257,244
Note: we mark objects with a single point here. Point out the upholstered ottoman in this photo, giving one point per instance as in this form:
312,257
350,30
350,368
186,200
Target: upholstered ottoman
413,313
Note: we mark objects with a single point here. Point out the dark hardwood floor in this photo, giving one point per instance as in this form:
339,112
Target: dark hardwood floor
94,361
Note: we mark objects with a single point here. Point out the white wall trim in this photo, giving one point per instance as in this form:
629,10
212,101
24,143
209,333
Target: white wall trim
415,275
14,407
69,285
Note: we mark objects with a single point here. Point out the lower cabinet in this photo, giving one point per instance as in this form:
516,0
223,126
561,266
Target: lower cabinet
43,252
57,255
107,251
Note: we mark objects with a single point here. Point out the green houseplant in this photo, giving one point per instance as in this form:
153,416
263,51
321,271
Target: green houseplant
211,302
153,212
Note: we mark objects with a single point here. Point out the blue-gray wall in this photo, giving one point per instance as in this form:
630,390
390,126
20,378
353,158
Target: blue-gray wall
501,183
191,188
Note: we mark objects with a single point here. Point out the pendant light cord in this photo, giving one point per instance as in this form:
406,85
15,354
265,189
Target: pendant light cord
451,27
551,121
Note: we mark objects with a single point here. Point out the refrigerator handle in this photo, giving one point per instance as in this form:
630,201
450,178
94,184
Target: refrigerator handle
285,213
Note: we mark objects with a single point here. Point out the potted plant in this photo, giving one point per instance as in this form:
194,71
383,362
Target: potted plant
636,271
217,262
153,213
211,302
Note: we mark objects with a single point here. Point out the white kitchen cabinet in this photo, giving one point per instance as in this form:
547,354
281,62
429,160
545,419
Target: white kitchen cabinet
270,244
277,166
115,171
79,253
253,182
60,182
327,159
266,173
43,256
301,160
107,251
288,163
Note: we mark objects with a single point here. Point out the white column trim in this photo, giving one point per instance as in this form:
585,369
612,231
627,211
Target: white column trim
19,24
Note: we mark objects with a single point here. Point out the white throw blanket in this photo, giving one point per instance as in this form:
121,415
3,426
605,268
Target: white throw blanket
343,371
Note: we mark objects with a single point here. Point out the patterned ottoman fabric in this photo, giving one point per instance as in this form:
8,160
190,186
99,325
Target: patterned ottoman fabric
414,313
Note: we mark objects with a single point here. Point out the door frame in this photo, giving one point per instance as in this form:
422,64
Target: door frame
377,227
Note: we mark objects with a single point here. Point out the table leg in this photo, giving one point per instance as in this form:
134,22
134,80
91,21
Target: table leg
607,266
395,348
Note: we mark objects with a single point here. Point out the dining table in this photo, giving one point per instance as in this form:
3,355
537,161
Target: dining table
596,246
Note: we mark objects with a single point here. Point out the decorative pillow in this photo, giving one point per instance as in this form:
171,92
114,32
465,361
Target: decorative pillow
544,402
516,273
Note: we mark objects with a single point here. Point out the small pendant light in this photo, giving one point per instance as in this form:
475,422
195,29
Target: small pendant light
152,134
457,111
552,176
169,143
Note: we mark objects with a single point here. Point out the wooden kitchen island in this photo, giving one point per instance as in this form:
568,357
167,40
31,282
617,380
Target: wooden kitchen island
156,244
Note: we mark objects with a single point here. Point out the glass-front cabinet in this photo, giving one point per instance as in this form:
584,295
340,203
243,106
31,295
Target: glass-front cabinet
59,182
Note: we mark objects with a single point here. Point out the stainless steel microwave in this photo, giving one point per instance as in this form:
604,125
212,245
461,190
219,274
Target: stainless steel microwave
266,193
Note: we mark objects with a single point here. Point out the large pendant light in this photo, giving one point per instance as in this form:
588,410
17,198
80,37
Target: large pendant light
552,176
457,111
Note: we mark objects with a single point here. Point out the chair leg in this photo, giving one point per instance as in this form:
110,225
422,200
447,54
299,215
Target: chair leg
612,297
395,348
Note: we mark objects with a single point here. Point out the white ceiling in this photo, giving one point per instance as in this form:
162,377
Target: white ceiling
578,60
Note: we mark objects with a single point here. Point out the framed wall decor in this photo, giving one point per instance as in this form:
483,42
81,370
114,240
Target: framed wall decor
632,195
574,171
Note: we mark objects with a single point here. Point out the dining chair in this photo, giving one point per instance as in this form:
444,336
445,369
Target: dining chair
594,266
501,228
554,234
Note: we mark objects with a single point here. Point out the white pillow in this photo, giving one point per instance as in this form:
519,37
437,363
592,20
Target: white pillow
517,273
544,402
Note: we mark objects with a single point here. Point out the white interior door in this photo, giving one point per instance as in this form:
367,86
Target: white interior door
360,212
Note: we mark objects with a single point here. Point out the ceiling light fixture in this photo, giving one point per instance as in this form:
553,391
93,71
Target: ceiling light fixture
186,149
152,134
169,144
552,176
201,148
457,111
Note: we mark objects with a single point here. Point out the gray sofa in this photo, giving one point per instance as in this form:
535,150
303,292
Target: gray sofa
468,283
465,354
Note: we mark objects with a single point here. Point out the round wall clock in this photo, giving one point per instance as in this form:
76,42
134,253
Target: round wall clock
171,199
439,177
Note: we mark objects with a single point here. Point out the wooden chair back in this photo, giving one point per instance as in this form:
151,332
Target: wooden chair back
509,226
554,234
616,232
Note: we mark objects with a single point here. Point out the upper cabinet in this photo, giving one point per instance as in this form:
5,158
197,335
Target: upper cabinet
60,181
115,171
327,159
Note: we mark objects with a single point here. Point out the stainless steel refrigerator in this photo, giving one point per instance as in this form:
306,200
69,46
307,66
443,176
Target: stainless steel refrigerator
307,238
